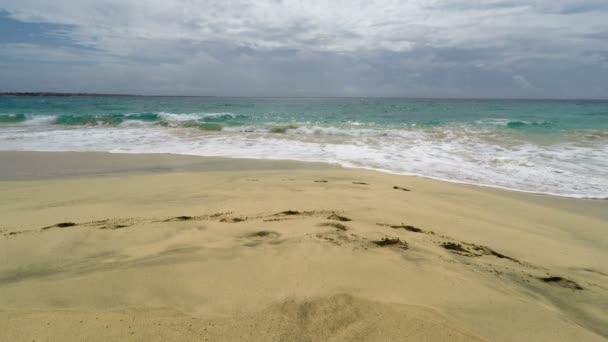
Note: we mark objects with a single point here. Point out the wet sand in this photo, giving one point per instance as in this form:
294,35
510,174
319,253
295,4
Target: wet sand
97,246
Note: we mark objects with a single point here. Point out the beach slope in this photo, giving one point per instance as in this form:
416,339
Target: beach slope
99,247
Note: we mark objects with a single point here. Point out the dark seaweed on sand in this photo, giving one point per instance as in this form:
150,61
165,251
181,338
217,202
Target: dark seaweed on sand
563,282
336,217
336,225
407,227
452,246
387,241
61,225
289,212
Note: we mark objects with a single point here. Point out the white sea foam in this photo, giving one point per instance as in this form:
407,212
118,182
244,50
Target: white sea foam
302,129
175,117
30,120
335,131
221,115
172,117
136,123
457,154
494,122
507,122
39,120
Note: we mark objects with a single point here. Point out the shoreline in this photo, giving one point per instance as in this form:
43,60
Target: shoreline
96,164
108,246
185,162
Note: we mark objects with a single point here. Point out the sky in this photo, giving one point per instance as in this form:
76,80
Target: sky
415,48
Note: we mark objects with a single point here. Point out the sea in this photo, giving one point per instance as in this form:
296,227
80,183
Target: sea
538,146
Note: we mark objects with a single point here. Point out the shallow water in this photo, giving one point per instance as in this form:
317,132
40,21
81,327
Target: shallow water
553,147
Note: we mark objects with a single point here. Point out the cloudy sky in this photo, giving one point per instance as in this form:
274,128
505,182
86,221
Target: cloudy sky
415,48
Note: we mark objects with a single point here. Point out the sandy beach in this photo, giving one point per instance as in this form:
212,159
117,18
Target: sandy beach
100,247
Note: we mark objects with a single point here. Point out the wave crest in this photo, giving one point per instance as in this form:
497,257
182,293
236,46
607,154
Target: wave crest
515,124
12,118
130,120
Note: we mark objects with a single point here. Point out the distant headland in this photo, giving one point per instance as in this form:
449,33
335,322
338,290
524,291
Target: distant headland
29,93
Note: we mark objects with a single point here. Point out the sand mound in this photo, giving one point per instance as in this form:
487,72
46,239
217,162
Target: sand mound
333,318
343,318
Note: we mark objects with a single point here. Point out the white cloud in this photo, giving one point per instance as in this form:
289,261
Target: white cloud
505,37
340,26
523,82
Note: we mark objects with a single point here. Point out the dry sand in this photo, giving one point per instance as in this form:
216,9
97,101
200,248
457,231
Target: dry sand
99,247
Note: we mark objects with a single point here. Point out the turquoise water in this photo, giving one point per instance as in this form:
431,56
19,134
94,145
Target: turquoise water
557,147
536,115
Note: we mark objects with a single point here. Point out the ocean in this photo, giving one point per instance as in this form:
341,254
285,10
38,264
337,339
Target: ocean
538,146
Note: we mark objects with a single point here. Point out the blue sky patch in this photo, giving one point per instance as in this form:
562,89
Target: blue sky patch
15,31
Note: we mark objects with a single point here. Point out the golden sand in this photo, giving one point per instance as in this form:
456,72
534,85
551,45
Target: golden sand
99,247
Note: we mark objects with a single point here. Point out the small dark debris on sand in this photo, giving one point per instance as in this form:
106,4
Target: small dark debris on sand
336,217
14,233
232,219
594,271
180,218
289,212
336,225
400,188
61,225
262,236
321,181
475,250
262,233
563,282
456,247
393,242
216,215
488,251
407,227
116,226
360,183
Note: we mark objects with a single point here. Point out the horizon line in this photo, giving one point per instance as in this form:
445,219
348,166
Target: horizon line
84,94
